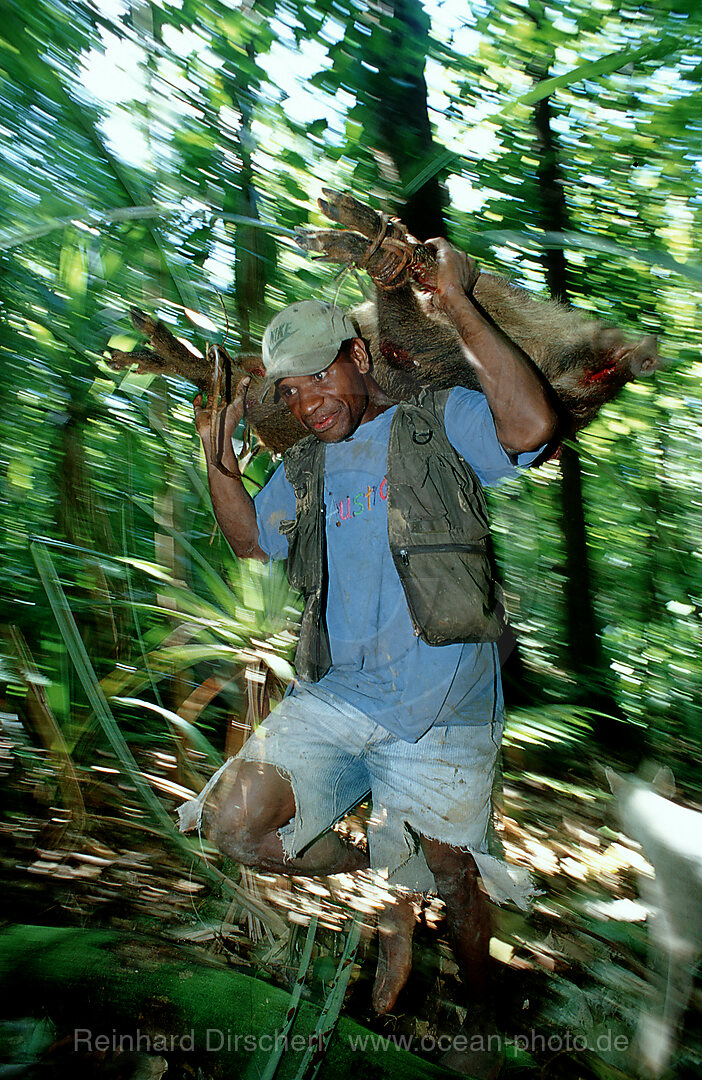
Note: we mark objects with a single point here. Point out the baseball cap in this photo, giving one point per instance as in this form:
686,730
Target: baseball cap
304,339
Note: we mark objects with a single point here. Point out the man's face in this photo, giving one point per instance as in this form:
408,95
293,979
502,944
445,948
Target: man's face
332,403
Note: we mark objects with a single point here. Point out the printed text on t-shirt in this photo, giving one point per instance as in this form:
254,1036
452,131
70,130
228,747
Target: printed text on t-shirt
351,506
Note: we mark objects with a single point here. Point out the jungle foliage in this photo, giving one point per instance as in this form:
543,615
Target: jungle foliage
160,154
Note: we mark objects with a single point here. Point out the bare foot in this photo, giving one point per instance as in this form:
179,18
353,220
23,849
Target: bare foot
395,929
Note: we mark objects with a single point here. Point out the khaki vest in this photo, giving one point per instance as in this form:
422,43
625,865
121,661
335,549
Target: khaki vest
437,530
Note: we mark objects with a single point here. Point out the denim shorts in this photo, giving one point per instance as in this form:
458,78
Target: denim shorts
440,787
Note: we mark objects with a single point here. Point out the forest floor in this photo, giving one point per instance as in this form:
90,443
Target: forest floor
570,975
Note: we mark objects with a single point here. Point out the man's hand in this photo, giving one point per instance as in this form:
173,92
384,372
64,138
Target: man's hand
456,274
515,390
231,413
233,506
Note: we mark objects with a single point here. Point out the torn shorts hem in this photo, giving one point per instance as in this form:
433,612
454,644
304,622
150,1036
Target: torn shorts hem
440,787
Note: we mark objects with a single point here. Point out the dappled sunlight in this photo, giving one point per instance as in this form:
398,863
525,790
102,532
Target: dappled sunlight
125,867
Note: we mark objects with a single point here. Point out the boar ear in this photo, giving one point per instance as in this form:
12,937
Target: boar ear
252,363
663,783
641,358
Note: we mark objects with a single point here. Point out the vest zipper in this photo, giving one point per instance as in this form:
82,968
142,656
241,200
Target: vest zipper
404,555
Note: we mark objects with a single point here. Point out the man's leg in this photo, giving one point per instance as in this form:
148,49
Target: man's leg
396,924
243,820
467,913
245,814
468,919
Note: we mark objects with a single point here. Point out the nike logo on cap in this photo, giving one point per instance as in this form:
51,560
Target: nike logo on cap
279,334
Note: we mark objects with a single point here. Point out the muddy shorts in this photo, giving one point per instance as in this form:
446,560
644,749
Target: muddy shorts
440,787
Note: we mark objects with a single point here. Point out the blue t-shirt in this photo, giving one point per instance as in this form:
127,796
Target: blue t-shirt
379,665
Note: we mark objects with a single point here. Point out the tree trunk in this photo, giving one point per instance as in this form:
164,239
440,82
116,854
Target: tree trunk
583,643
402,118
583,632
255,249
400,114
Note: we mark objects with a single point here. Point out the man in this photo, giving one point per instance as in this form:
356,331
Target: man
398,689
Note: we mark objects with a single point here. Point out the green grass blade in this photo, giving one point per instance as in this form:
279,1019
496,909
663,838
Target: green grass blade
89,681
193,734
281,1039
319,1039
171,444
218,586
134,609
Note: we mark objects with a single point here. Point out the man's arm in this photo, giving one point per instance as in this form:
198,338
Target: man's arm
232,504
516,393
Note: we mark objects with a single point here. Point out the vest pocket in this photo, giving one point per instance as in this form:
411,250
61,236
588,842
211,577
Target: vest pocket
301,568
450,592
